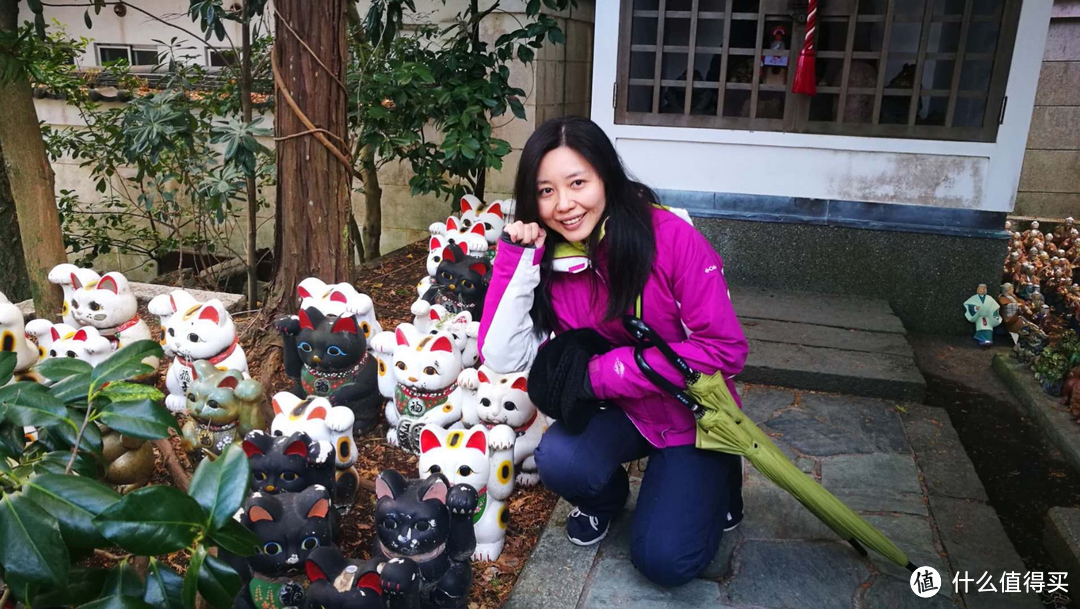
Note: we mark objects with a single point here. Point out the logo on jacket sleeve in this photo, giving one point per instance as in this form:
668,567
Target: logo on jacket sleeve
619,367
710,269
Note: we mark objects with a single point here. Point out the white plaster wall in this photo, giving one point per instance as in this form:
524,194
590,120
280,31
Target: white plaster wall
971,175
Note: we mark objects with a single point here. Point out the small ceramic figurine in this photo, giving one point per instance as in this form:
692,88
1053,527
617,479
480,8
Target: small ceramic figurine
492,399
983,312
424,534
454,232
223,408
328,357
425,369
13,340
341,300
430,319
482,459
461,282
193,331
331,426
341,583
67,276
1010,311
110,306
85,344
288,464
290,527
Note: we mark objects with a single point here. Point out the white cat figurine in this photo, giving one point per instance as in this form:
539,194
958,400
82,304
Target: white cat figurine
473,213
13,340
425,368
339,299
86,344
195,332
492,399
67,276
429,319
329,425
482,459
110,306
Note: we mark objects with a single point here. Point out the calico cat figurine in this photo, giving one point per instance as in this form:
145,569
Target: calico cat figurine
195,331
110,306
287,464
482,459
289,527
461,282
492,399
474,212
341,583
327,356
65,276
329,425
425,369
223,407
424,533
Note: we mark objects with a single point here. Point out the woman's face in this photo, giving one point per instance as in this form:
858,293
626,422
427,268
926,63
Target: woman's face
570,194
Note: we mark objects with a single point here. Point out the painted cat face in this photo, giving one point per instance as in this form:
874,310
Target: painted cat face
106,304
341,300
474,236
504,398
85,344
328,342
319,419
461,328
460,455
66,275
289,526
340,583
425,361
435,252
464,278
220,396
287,464
474,212
201,331
411,519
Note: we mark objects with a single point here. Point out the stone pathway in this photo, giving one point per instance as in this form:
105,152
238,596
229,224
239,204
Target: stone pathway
900,465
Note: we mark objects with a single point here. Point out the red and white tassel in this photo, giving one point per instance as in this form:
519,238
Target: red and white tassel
805,72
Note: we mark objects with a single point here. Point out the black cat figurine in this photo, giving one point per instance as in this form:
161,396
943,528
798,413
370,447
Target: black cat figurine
340,583
327,356
461,282
287,464
424,533
289,527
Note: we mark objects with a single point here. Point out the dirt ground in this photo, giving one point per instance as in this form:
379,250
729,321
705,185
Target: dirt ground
391,283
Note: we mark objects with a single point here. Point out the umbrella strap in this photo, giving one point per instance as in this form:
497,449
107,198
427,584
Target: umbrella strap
661,382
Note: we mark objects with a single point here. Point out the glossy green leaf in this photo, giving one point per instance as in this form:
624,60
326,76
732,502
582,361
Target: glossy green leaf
218,583
130,392
74,501
73,389
32,546
235,538
221,485
125,364
153,520
117,602
124,581
143,419
56,462
31,404
191,579
68,431
84,585
164,588
7,366
59,368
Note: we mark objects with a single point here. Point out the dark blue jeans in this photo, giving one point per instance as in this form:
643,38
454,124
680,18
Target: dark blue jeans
684,499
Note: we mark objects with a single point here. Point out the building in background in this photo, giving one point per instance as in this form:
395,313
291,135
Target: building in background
893,181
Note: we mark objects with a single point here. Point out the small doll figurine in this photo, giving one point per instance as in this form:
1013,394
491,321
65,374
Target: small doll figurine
983,312
223,408
424,535
482,459
195,331
1010,311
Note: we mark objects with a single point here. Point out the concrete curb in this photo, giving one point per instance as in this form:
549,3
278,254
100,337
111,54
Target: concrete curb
1056,422
1061,538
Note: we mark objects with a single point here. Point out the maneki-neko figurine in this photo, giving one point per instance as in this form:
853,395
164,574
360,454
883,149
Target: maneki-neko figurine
223,406
982,310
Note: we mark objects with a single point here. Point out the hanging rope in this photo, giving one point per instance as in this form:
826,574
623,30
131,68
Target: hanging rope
805,72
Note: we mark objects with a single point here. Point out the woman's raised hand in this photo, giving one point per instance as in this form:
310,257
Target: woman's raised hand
526,234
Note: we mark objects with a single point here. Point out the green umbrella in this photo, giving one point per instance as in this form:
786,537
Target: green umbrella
724,427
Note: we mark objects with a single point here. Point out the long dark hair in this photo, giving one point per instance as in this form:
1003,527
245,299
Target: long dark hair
629,243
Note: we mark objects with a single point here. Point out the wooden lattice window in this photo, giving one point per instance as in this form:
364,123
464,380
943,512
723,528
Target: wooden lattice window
933,69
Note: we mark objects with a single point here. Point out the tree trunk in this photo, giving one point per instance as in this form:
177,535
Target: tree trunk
371,233
312,232
252,202
32,186
13,280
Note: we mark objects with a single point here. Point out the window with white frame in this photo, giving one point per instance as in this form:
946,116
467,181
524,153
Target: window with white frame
221,57
134,55
933,69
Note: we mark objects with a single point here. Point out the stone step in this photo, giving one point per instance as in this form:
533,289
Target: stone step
816,309
810,335
145,292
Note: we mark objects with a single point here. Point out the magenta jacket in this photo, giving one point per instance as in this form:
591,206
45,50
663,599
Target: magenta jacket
686,301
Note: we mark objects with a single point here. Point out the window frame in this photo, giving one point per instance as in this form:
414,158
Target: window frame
219,50
129,48
797,107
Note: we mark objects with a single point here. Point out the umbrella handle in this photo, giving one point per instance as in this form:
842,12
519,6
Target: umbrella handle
661,382
645,334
